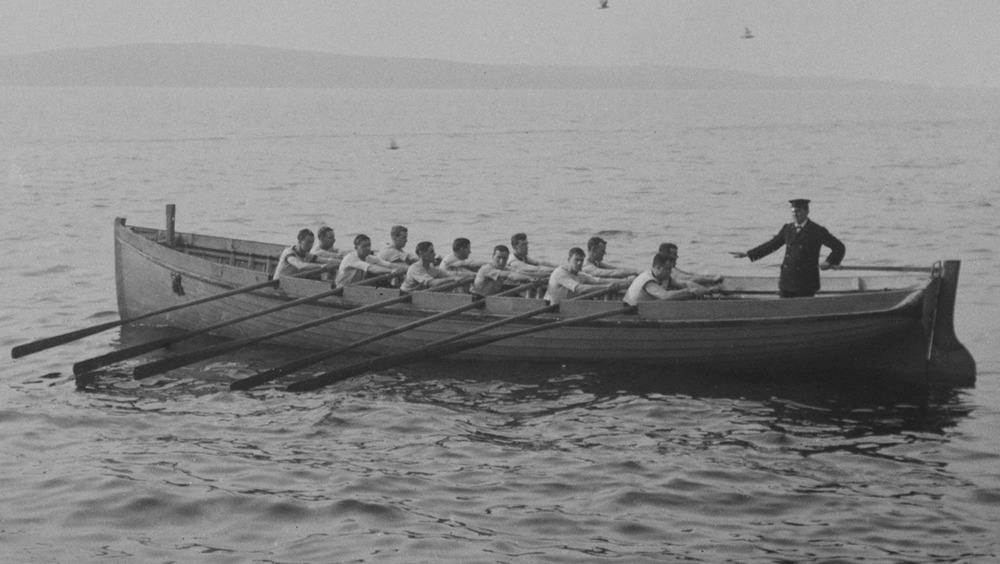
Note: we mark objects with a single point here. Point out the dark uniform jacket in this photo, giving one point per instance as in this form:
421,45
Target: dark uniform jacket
800,270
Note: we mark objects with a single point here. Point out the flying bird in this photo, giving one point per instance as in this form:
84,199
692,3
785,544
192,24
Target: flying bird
604,4
746,34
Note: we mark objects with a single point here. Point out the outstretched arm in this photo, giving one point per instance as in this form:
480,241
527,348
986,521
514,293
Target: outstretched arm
762,251
685,293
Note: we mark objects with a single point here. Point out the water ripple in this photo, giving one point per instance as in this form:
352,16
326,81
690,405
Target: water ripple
504,461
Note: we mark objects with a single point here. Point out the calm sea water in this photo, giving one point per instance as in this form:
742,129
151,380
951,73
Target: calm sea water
492,463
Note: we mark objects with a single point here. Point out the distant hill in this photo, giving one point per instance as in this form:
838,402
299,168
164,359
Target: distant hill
213,65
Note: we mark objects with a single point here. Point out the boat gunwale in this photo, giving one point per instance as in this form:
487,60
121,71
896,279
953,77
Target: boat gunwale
906,307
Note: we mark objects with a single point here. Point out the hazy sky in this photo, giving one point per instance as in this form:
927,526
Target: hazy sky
942,42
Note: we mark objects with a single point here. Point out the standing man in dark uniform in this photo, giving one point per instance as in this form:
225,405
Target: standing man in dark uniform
803,240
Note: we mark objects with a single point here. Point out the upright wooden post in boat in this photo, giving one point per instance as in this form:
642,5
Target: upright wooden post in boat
171,216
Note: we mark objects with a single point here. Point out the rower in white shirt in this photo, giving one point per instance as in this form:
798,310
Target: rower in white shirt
324,249
458,262
569,280
594,265
393,252
297,258
522,263
670,250
358,264
656,284
491,277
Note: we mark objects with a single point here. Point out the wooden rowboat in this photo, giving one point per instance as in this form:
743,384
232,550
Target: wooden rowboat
897,325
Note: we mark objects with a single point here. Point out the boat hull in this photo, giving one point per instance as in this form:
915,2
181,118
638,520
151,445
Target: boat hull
895,332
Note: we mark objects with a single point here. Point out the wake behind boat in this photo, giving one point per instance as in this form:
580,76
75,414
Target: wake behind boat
897,325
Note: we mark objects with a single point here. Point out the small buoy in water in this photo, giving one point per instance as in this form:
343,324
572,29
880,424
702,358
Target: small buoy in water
392,144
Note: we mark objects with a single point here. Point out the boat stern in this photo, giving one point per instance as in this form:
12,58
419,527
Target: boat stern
948,361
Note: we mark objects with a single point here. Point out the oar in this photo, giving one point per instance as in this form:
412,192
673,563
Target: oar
885,268
436,350
515,318
483,328
142,348
861,266
49,342
171,363
268,375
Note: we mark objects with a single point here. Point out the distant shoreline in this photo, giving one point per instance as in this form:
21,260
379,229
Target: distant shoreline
244,66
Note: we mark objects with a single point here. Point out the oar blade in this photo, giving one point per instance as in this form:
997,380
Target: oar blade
274,373
50,342
174,362
113,357
143,348
370,365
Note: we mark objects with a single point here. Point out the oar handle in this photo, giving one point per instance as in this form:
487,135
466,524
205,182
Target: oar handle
451,285
596,293
522,288
373,280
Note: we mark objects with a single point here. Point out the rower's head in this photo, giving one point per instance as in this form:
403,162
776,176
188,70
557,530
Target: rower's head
425,250
363,245
663,264
669,249
306,240
326,237
596,249
800,209
519,244
500,255
398,234
462,248
574,261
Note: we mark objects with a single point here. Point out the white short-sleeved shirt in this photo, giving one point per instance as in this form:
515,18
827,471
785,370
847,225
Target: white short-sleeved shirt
452,263
645,288
564,285
419,277
290,263
353,269
392,254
